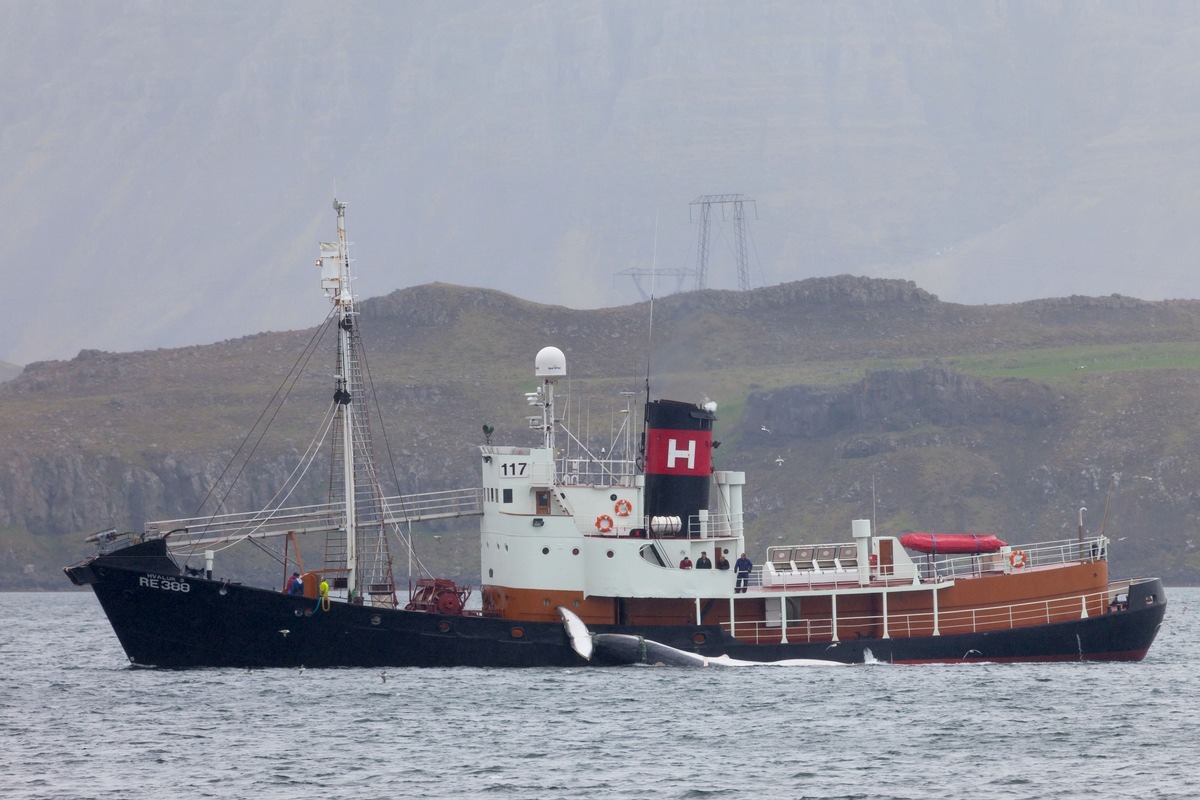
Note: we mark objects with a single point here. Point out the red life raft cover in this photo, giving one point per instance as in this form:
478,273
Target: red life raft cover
952,542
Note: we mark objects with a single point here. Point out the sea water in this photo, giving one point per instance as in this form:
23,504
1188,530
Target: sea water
79,722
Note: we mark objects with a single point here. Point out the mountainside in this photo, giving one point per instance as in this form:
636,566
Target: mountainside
168,165
842,397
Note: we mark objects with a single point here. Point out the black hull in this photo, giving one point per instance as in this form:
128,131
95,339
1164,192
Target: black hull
164,619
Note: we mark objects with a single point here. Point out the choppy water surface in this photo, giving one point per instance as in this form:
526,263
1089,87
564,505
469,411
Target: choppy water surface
80,723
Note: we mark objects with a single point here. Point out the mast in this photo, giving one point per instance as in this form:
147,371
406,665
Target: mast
343,301
549,365
357,556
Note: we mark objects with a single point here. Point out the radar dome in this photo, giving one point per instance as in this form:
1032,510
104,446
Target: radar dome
550,363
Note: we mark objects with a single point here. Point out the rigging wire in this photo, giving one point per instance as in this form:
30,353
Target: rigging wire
405,541
291,483
285,387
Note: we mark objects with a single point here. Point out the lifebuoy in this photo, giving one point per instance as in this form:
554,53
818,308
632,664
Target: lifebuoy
1018,559
623,507
604,523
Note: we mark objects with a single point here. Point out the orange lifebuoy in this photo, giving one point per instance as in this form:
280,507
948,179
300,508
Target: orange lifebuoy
604,523
1018,559
623,507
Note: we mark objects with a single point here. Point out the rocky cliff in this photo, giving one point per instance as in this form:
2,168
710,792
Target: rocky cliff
842,397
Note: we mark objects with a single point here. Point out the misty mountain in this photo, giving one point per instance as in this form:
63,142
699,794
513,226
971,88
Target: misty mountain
169,167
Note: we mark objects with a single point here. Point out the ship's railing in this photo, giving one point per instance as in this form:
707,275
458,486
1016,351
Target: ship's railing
596,472
433,505
255,524
1025,556
316,518
924,623
715,526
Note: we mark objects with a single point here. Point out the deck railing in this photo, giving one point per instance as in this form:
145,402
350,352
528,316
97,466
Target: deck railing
314,518
926,622
1026,556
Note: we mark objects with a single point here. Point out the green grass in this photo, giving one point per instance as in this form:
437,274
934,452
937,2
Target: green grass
1059,364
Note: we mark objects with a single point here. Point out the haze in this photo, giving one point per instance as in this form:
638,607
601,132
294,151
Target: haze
168,168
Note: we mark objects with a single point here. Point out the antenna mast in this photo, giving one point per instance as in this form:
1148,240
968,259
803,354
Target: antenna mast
362,556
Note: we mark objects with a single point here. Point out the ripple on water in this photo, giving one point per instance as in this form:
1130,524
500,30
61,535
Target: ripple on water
81,723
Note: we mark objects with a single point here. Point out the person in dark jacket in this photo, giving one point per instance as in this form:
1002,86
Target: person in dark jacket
702,562
743,567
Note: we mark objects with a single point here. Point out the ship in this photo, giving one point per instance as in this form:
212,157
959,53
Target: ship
634,552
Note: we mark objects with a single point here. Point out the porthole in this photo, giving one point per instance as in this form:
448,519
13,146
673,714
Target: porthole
376,619
612,497
575,603
699,638
575,551
517,633
610,553
545,551
444,627
546,602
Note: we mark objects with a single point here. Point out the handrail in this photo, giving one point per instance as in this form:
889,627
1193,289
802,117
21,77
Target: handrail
717,526
921,623
1036,554
314,518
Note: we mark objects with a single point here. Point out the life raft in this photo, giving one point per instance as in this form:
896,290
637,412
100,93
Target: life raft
938,543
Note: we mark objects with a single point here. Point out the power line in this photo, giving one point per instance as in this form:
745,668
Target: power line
735,203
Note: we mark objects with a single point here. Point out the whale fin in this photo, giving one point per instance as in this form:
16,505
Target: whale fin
577,632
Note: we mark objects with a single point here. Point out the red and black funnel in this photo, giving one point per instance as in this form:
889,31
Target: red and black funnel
678,453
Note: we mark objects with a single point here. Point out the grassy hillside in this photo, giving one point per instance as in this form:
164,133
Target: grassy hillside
881,402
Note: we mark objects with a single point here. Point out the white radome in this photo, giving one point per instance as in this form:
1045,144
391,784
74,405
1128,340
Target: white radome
550,363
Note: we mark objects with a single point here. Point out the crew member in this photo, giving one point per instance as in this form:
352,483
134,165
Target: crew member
743,567
686,563
702,562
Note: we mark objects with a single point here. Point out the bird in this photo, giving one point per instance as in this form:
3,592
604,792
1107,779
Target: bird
383,676
285,632
764,429
779,461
